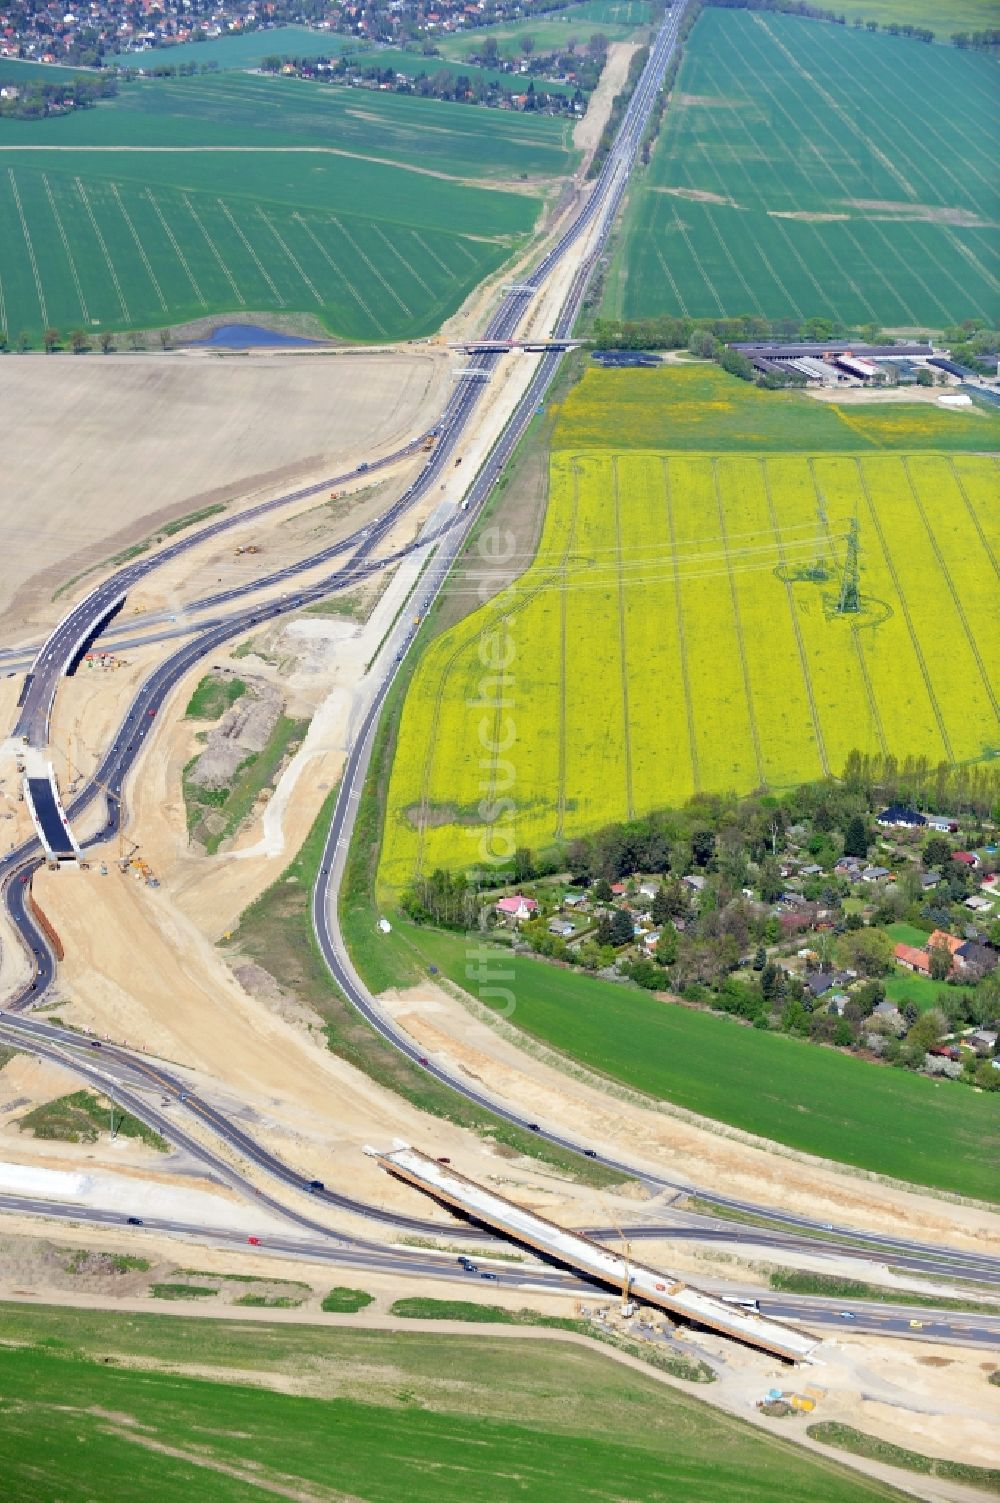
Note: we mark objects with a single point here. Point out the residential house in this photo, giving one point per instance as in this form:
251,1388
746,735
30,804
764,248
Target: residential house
875,874
562,928
695,882
979,904
912,959
574,899
966,858
941,939
889,1015
899,817
649,889
837,1003
942,824
983,1041
517,909
929,880
819,983
973,956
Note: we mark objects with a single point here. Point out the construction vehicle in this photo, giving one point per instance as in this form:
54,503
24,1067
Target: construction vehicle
628,1306
246,548
428,442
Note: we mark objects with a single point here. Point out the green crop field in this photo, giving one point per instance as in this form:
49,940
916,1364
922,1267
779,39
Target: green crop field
15,71
671,637
548,32
246,49
943,17
806,169
786,1090
98,1405
218,195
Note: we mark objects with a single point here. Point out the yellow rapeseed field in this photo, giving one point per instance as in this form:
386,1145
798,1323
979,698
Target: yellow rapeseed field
677,632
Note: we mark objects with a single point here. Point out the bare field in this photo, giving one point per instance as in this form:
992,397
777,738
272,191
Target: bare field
105,449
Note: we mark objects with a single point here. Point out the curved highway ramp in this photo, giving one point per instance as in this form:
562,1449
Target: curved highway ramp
585,1256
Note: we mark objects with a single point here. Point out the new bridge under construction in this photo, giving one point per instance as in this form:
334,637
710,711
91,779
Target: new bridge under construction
591,1259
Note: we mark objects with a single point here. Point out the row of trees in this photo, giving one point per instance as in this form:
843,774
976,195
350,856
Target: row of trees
37,99
80,342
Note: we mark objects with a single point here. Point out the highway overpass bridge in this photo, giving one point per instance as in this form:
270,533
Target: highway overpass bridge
41,795
591,1259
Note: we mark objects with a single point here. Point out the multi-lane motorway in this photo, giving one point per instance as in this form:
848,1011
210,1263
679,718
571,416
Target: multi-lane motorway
862,1316
123,1072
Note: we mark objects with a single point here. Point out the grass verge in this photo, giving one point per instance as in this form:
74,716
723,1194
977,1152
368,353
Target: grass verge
827,1286
846,1438
181,1291
213,696
417,1308
345,1301
82,1117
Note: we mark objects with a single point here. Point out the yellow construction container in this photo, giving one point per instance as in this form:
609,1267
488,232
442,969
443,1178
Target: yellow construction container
801,1402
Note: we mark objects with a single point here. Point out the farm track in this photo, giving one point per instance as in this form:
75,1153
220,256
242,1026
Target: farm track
983,539
738,623
955,595
679,609
796,624
563,657
623,649
907,616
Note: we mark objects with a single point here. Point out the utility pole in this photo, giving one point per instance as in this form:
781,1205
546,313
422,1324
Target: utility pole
849,599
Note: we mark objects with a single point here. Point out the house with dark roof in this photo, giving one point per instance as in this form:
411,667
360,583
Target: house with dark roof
899,817
974,956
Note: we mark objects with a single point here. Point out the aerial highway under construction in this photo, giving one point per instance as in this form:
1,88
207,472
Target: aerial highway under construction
123,1073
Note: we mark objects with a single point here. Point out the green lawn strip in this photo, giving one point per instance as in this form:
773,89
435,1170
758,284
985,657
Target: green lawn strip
417,1308
345,1301
181,1291
276,932
432,1418
213,696
846,1438
828,1286
6,1055
87,1260
908,934
920,990
242,1278
81,1118
269,1301
787,1090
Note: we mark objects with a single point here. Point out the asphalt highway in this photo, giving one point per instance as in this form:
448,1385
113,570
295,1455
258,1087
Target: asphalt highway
886,1319
79,625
